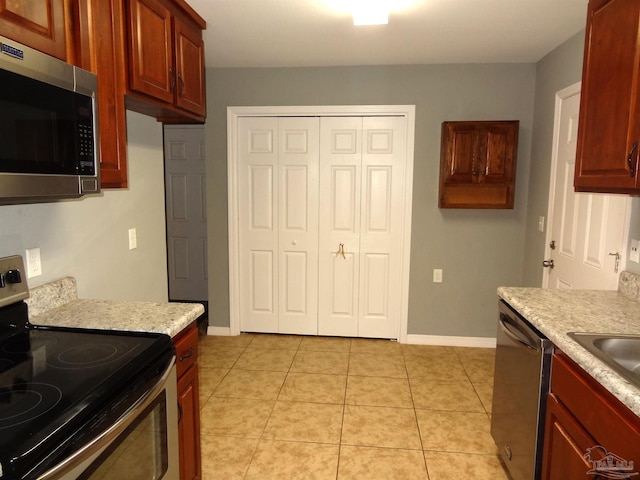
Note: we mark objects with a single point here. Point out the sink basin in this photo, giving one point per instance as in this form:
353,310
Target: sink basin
620,352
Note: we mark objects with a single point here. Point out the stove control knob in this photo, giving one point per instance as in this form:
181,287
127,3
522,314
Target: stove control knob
13,276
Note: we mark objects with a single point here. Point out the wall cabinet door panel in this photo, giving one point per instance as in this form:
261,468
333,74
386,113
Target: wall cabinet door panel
39,25
609,128
151,62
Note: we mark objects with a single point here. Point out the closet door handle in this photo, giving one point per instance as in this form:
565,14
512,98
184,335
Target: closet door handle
630,162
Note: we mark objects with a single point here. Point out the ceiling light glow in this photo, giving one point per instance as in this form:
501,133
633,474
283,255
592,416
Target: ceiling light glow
370,12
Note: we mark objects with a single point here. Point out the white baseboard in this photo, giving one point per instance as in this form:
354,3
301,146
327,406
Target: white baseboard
482,342
219,331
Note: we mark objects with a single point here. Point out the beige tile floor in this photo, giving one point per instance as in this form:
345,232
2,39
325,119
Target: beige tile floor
290,407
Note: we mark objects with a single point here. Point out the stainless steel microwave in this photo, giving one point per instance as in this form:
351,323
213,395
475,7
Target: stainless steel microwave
48,127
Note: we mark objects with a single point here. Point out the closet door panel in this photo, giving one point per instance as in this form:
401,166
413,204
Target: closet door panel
339,238
298,166
381,227
258,212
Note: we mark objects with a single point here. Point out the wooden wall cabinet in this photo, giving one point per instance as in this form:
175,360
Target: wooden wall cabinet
166,60
186,344
40,25
103,48
478,164
584,423
609,129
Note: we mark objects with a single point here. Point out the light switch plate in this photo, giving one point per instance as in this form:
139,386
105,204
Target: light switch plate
634,255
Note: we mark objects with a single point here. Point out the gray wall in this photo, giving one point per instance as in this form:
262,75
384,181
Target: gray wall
477,249
88,238
557,70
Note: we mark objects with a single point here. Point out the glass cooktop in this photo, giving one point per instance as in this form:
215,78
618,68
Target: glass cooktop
54,381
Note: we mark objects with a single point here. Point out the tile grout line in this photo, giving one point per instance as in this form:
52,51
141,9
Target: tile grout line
415,413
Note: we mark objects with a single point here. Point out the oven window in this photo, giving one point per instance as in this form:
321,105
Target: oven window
139,453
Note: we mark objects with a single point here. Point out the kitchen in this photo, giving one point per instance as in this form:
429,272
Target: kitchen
477,250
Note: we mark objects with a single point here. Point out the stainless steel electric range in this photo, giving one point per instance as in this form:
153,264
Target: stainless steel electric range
75,402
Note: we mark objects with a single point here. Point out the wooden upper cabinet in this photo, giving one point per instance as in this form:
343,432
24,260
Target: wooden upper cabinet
39,24
151,52
190,86
609,128
478,164
166,60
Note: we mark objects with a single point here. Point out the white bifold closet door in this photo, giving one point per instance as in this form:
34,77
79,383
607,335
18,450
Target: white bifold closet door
278,207
361,231
320,236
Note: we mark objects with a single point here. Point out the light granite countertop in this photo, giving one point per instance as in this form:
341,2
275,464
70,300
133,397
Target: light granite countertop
56,304
557,312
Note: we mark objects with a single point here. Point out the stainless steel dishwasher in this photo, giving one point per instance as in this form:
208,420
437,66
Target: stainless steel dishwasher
520,388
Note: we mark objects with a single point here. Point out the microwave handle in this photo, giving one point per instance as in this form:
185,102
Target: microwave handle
106,437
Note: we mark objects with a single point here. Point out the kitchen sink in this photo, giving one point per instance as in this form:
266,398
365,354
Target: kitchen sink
620,352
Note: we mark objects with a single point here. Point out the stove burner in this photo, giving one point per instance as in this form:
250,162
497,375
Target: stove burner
89,355
22,402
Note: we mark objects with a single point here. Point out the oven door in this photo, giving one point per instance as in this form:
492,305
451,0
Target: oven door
141,444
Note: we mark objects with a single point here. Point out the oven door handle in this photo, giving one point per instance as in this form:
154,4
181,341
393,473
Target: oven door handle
106,437
508,328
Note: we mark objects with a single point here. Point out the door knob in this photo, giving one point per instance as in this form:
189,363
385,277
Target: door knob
547,263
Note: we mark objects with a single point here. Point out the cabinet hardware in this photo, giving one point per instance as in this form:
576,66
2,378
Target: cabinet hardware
548,263
341,250
630,162
189,354
552,245
172,79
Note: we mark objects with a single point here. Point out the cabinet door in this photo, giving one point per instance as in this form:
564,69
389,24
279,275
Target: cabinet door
609,128
565,445
151,62
497,153
100,38
190,88
39,25
461,141
189,425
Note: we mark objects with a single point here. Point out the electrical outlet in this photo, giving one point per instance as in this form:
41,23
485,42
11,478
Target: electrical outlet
437,275
634,255
133,240
541,224
34,266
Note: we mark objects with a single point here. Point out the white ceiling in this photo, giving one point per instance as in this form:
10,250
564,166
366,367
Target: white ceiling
288,33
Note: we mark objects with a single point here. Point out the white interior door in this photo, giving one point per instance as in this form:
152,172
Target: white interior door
320,219
298,233
186,212
258,223
278,190
381,227
361,181
586,234
340,180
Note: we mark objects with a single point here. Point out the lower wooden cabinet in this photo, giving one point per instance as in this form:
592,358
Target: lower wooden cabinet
585,425
188,403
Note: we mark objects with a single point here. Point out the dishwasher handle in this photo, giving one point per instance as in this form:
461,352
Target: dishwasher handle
514,333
